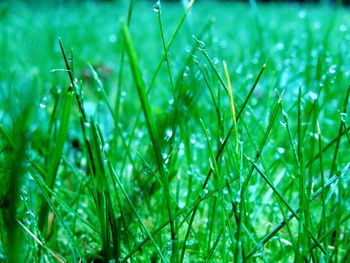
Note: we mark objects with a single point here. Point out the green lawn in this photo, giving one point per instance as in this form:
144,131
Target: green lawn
214,133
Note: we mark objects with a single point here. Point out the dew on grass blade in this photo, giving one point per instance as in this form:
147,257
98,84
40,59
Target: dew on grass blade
332,69
43,102
284,119
24,195
193,140
215,61
191,243
168,134
342,28
302,14
281,150
105,147
166,158
212,167
112,38
87,124
156,7
312,95
203,193
343,117
186,72
279,46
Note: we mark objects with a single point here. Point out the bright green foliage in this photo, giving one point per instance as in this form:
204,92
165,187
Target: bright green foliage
177,133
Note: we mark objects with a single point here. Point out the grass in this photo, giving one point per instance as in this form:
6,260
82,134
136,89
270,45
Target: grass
138,132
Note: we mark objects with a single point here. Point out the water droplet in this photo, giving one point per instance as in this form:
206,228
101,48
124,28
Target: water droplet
281,150
166,158
239,69
280,46
87,124
342,28
156,7
211,164
203,193
283,123
284,120
302,14
83,162
43,102
186,72
332,69
193,140
24,195
312,95
317,25
105,147
343,117
190,243
112,38
168,134
215,61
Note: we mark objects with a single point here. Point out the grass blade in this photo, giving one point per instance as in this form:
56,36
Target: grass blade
150,122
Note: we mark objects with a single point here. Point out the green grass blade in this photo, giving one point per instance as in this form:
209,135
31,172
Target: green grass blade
170,42
121,67
149,120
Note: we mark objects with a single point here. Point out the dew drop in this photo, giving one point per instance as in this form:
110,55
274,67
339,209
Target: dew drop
203,193
112,38
168,134
281,150
212,167
343,117
332,69
186,72
165,158
342,28
302,14
215,61
284,119
156,7
283,123
43,103
190,243
280,46
106,147
313,95
193,141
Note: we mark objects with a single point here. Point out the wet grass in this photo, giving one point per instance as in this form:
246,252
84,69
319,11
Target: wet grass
132,132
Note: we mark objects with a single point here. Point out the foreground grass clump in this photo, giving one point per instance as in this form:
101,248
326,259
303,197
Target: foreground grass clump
163,136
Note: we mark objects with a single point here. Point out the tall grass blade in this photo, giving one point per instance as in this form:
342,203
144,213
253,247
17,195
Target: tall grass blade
150,122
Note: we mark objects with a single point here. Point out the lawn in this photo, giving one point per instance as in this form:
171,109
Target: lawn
206,131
